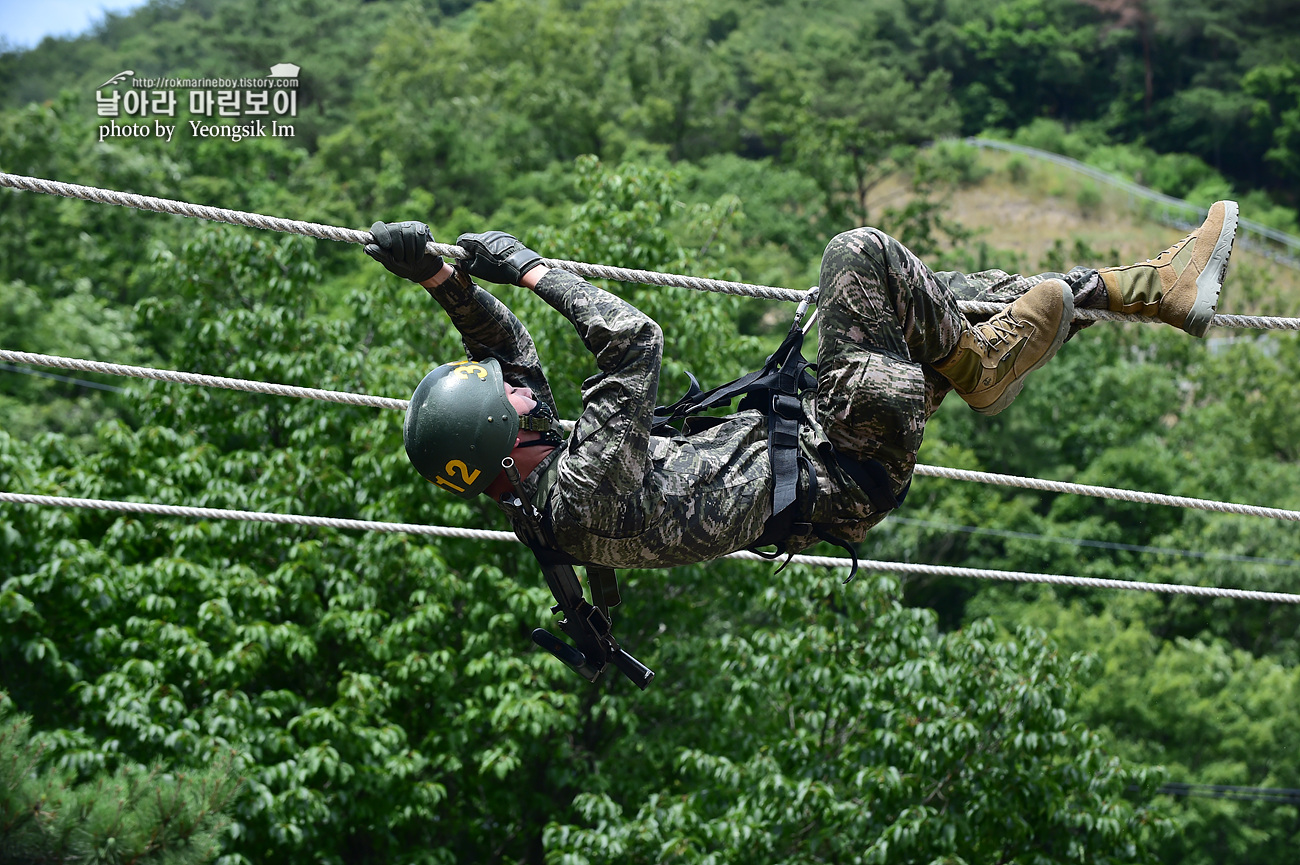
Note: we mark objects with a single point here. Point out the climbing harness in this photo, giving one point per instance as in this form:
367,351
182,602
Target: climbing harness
777,390
588,624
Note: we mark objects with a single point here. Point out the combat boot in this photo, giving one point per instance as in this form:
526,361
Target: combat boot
989,364
1180,285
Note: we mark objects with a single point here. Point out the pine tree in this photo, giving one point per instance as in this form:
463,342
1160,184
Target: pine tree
134,815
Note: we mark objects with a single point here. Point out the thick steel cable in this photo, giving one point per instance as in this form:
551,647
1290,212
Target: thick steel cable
907,568
1106,493
595,271
923,470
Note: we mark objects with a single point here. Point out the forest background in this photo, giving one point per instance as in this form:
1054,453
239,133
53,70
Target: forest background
377,699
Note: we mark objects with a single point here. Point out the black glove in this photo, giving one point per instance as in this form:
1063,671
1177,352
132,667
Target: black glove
399,246
497,257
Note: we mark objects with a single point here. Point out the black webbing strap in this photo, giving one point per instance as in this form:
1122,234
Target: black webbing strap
587,624
696,400
604,588
603,581
783,417
776,391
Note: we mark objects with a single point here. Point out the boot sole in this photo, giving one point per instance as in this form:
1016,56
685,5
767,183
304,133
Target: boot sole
1210,281
1062,331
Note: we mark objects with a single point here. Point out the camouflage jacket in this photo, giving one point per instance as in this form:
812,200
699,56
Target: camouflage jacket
612,493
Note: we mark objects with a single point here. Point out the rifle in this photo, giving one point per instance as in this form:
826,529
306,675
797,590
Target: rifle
587,624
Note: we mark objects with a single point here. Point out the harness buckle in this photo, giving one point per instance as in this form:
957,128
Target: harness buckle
788,406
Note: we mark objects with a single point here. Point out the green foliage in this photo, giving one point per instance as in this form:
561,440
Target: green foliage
380,695
1164,700
627,219
78,324
1027,59
871,739
848,124
1276,113
133,815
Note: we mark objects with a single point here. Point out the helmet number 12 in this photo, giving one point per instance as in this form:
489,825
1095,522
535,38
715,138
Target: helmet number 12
454,468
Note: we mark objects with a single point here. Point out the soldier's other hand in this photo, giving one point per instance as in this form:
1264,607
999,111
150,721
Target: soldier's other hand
400,247
497,257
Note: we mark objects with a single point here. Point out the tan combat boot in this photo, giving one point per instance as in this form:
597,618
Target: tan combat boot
1180,285
989,364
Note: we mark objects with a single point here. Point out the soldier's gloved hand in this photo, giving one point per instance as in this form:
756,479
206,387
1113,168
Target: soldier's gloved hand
400,247
497,257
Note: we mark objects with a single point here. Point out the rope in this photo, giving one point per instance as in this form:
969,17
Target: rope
595,271
1106,493
352,235
1231,791
483,534
80,382
256,517
1256,322
203,380
923,470
1088,542
913,569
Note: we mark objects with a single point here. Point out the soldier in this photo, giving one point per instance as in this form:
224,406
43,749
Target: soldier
892,344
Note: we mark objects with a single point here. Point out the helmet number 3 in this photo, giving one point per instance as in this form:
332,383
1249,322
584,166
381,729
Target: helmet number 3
464,369
458,467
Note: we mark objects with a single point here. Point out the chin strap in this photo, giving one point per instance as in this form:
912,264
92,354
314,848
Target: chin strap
541,419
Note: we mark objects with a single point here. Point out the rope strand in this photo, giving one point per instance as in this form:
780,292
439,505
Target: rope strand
352,235
905,568
594,271
192,378
923,470
1106,493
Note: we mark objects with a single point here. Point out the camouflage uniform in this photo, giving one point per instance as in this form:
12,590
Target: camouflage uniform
615,495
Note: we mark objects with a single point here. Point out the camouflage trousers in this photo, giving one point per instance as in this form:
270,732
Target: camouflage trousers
884,318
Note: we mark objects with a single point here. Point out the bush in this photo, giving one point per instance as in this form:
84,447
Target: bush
1088,199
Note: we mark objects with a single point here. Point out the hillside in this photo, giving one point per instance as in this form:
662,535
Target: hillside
1041,214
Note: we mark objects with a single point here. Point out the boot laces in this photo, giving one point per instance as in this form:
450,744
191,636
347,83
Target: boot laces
1178,245
998,331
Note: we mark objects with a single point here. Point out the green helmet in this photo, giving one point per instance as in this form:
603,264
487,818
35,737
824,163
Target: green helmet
460,426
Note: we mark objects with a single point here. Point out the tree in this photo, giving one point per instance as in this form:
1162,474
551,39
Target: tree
1133,14
132,816
1276,114
849,125
869,738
